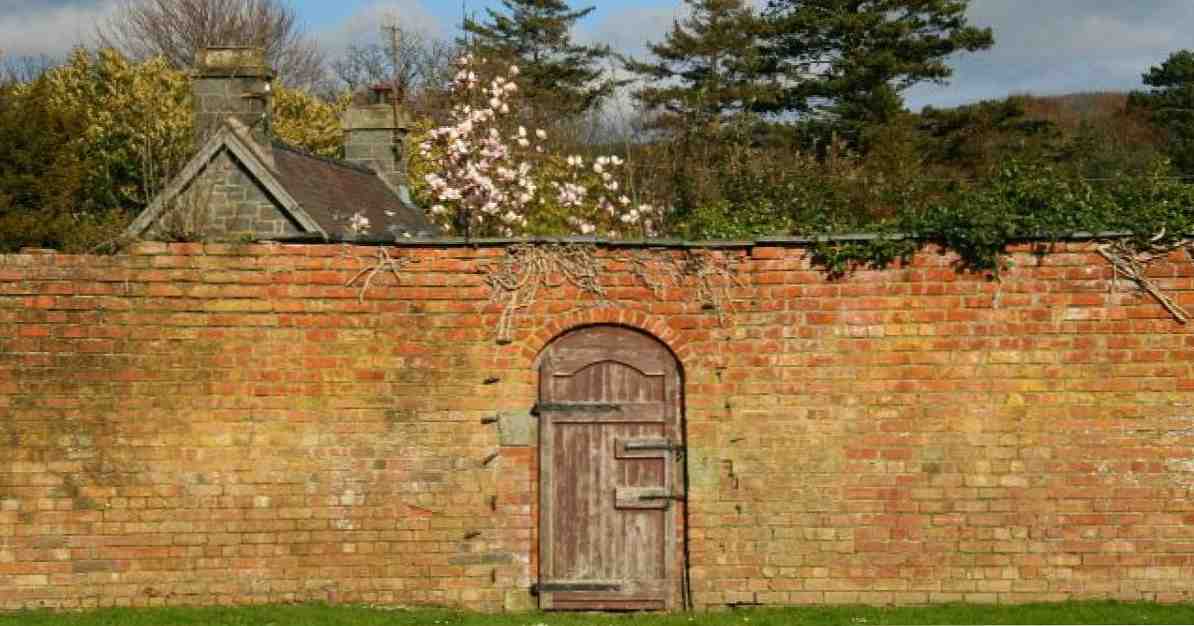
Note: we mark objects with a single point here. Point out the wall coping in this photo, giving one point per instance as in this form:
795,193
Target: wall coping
455,242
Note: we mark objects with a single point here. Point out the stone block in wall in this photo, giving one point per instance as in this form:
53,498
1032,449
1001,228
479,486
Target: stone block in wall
517,429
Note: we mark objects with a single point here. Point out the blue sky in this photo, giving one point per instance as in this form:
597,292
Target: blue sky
322,12
1042,46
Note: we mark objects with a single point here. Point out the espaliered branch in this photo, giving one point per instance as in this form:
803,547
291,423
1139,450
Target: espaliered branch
1133,264
527,268
384,263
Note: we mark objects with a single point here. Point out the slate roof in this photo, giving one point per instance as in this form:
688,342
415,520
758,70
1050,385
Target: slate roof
331,191
320,194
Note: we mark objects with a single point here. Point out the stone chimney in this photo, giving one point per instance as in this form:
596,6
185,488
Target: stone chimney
373,133
231,81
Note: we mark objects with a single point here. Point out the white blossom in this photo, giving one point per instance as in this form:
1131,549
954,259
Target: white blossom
488,175
358,224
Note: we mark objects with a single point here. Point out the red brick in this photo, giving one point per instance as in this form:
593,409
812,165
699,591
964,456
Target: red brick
896,433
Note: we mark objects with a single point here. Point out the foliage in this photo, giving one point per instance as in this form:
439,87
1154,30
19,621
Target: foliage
34,171
852,60
1025,202
947,177
699,89
1170,104
311,123
559,76
97,137
707,66
136,124
76,233
972,140
485,175
1098,612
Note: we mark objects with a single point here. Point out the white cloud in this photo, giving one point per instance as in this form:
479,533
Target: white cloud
628,31
1060,46
365,25
33,28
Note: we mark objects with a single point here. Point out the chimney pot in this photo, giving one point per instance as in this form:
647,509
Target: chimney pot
373,138
231,82
229,61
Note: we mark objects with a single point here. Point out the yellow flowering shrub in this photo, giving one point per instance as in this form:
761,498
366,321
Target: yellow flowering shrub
138,122
136,119
305,121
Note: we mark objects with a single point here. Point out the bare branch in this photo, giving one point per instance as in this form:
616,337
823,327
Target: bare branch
425,63
178,29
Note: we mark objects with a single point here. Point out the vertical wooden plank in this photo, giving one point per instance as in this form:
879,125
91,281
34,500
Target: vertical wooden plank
547,510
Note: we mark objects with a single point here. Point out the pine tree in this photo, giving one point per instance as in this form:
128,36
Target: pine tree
852,59
705,79
1170,104
708,66
558,76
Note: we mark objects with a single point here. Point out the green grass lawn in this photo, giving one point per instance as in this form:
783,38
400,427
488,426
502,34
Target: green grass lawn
320,615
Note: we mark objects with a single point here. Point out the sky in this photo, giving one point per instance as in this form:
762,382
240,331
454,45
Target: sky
1042,46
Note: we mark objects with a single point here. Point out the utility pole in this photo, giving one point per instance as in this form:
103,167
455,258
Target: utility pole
398,89
395,35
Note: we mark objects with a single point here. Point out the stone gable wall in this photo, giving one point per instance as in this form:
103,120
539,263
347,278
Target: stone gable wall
191,424
224,202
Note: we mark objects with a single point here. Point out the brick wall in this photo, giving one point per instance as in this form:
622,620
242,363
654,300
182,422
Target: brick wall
192,424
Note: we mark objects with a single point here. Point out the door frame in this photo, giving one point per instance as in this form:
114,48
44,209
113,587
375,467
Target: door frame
675,546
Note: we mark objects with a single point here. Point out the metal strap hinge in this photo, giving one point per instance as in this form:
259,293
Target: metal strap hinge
664,496
576,408
654,445
550,587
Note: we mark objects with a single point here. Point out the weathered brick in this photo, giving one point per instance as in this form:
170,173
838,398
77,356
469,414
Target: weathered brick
906,435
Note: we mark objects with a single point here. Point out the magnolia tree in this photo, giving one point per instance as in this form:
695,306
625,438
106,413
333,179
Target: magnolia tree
484,174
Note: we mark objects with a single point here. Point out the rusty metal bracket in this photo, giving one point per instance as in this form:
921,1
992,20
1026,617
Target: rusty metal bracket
576,408
550,587
664,496
661,444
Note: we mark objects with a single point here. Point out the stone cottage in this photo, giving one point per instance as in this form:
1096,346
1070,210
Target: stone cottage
245,183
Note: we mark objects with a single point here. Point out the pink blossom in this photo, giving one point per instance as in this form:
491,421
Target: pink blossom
492,177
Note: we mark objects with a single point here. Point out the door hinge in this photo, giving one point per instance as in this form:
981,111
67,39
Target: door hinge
576,408
550,587
661,444
664,496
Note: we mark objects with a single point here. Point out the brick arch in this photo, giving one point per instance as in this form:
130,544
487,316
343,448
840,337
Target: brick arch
654,325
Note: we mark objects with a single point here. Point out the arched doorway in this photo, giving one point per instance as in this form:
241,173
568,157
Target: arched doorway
610,477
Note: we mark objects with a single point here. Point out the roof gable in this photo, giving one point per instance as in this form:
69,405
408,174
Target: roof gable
319,194
232,136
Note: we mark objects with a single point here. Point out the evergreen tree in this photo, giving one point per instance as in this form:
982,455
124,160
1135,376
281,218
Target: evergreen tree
851,59
1170,104
558,76
708,66
704,79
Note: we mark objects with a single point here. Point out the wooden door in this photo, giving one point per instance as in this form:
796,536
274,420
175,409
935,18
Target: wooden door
610,438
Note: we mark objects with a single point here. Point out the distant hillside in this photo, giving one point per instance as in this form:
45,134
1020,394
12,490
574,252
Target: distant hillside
1089,134
1071,110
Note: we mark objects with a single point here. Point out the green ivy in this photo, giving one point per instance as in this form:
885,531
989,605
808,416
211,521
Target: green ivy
1023,202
